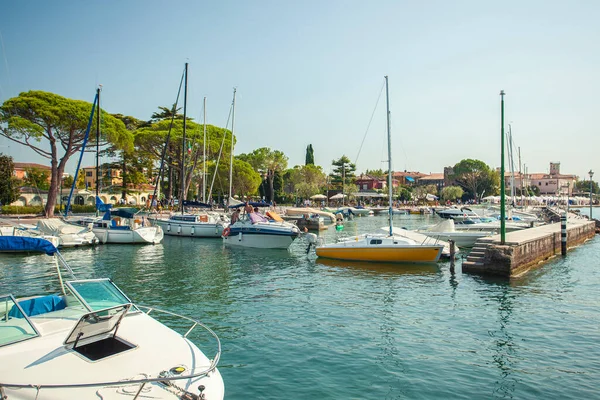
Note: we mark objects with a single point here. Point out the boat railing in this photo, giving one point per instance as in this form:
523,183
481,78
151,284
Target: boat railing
161,377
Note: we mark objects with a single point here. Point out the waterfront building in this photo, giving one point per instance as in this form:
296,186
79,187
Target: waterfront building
21,169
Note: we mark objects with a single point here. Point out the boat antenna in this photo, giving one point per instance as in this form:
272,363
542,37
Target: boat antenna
231,157
183,150
389,135
162,157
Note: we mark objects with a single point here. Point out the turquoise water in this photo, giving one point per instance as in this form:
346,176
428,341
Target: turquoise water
292,326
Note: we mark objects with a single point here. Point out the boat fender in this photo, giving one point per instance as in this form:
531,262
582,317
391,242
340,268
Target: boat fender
226,232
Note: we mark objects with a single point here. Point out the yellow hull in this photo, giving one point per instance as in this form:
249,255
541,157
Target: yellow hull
382,254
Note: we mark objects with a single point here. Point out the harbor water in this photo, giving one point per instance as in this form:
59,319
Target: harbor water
294,326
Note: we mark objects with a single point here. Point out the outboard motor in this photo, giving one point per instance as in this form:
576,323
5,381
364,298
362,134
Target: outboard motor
312,239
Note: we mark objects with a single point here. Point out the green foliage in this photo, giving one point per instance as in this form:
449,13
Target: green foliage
165,113
67,182
9,185
404,193
584,187
343,171
452,193
376,173
37,178
310,155
305,180
54,127
476,178
245,180
266,162
421,192
39,210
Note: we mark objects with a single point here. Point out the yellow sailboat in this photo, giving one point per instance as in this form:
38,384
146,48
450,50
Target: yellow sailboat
377,247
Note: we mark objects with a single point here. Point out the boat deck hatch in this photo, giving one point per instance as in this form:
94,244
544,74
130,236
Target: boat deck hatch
103,348
95,335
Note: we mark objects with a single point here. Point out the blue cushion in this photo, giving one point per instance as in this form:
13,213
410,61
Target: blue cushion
38,305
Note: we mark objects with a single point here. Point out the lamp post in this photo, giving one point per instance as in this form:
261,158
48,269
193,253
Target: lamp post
591,173
502,206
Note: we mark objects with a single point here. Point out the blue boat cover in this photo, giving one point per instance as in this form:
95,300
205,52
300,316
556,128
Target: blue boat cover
101,206
24,243
38,305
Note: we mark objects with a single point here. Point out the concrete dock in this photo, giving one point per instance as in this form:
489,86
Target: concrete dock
525,249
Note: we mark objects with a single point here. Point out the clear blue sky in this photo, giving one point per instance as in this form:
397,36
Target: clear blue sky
310,72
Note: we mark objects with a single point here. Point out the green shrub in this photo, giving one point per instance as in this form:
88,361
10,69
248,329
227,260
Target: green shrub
39,210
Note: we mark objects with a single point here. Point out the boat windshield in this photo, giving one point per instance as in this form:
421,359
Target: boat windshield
98,294
14,324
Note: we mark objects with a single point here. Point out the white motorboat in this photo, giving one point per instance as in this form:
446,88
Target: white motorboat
457,213
255,230
91,341
207,224
69,235
445,230
328,217
122,225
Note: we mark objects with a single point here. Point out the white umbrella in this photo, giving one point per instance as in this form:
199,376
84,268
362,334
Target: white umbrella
318,197
337,196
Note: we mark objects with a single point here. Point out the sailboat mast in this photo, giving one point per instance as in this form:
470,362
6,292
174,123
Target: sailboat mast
97,148
231,157
389,135
204,158
183,149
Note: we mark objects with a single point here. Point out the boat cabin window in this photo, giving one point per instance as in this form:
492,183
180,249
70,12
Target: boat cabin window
14,323
98,294
185,218
376,241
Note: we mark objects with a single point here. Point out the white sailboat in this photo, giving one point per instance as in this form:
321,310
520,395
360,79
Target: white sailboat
377,247
118,225
91,341
203,224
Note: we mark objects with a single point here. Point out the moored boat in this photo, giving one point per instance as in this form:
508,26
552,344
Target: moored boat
253,229
90,340
378,247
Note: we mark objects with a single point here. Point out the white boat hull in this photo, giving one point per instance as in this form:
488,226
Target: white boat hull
190,229
259,241
150,234
461,239
46,360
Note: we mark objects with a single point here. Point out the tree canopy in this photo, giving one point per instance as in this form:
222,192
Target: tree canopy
310,155
54,127
266,162
343,172
9,185
476,178
305,180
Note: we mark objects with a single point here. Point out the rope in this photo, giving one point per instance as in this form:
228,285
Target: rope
370,120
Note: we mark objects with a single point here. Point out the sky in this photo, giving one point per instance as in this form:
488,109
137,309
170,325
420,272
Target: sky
312,72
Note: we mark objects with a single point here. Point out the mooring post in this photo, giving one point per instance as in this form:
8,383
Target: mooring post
563,234
452,254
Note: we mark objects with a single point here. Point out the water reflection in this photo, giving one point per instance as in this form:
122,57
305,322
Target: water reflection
381,268
503,345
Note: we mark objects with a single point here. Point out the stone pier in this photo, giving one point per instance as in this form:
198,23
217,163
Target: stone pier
526,249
